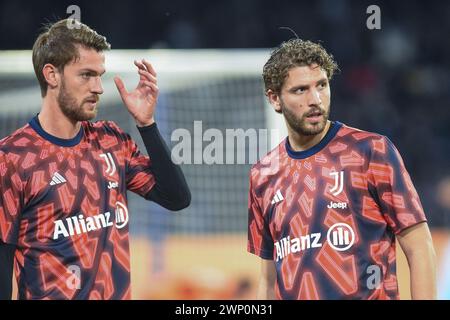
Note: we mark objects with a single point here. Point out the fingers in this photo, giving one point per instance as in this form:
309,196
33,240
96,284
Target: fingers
120,86
145,65
149,67
147,76
152,86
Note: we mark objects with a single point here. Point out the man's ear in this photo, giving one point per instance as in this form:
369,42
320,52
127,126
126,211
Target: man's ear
274,99
51,75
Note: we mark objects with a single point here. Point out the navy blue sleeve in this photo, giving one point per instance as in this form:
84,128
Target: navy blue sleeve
171,189
6,270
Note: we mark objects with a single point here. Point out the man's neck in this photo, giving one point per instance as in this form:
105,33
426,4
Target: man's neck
300,142
54,122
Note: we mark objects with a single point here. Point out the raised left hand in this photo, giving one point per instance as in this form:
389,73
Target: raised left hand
141,102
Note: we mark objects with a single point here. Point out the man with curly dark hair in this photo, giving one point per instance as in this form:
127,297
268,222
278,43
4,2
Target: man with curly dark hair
328,203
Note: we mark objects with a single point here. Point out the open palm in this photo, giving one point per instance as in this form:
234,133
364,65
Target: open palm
141,102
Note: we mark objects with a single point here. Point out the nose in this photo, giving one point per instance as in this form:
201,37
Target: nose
314,98
97,87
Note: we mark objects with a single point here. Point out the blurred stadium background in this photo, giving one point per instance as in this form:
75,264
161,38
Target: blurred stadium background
209,57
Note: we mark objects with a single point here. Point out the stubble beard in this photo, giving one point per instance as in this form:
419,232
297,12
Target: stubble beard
71,109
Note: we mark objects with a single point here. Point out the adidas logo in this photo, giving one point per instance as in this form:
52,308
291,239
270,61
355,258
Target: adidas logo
57,179
278,197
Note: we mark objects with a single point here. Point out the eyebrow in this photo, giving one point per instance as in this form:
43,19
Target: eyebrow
92,71
306,86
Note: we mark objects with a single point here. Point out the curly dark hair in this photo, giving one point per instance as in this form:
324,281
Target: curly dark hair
295,53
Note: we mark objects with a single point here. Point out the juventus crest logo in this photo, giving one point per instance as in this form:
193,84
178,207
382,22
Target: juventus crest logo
111,166
338,182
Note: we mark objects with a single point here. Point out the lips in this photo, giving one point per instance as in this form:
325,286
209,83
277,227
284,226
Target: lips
314,114
314,117
91,104
92,100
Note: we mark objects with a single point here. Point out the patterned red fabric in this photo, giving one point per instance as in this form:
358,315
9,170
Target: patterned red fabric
65,208
328,216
